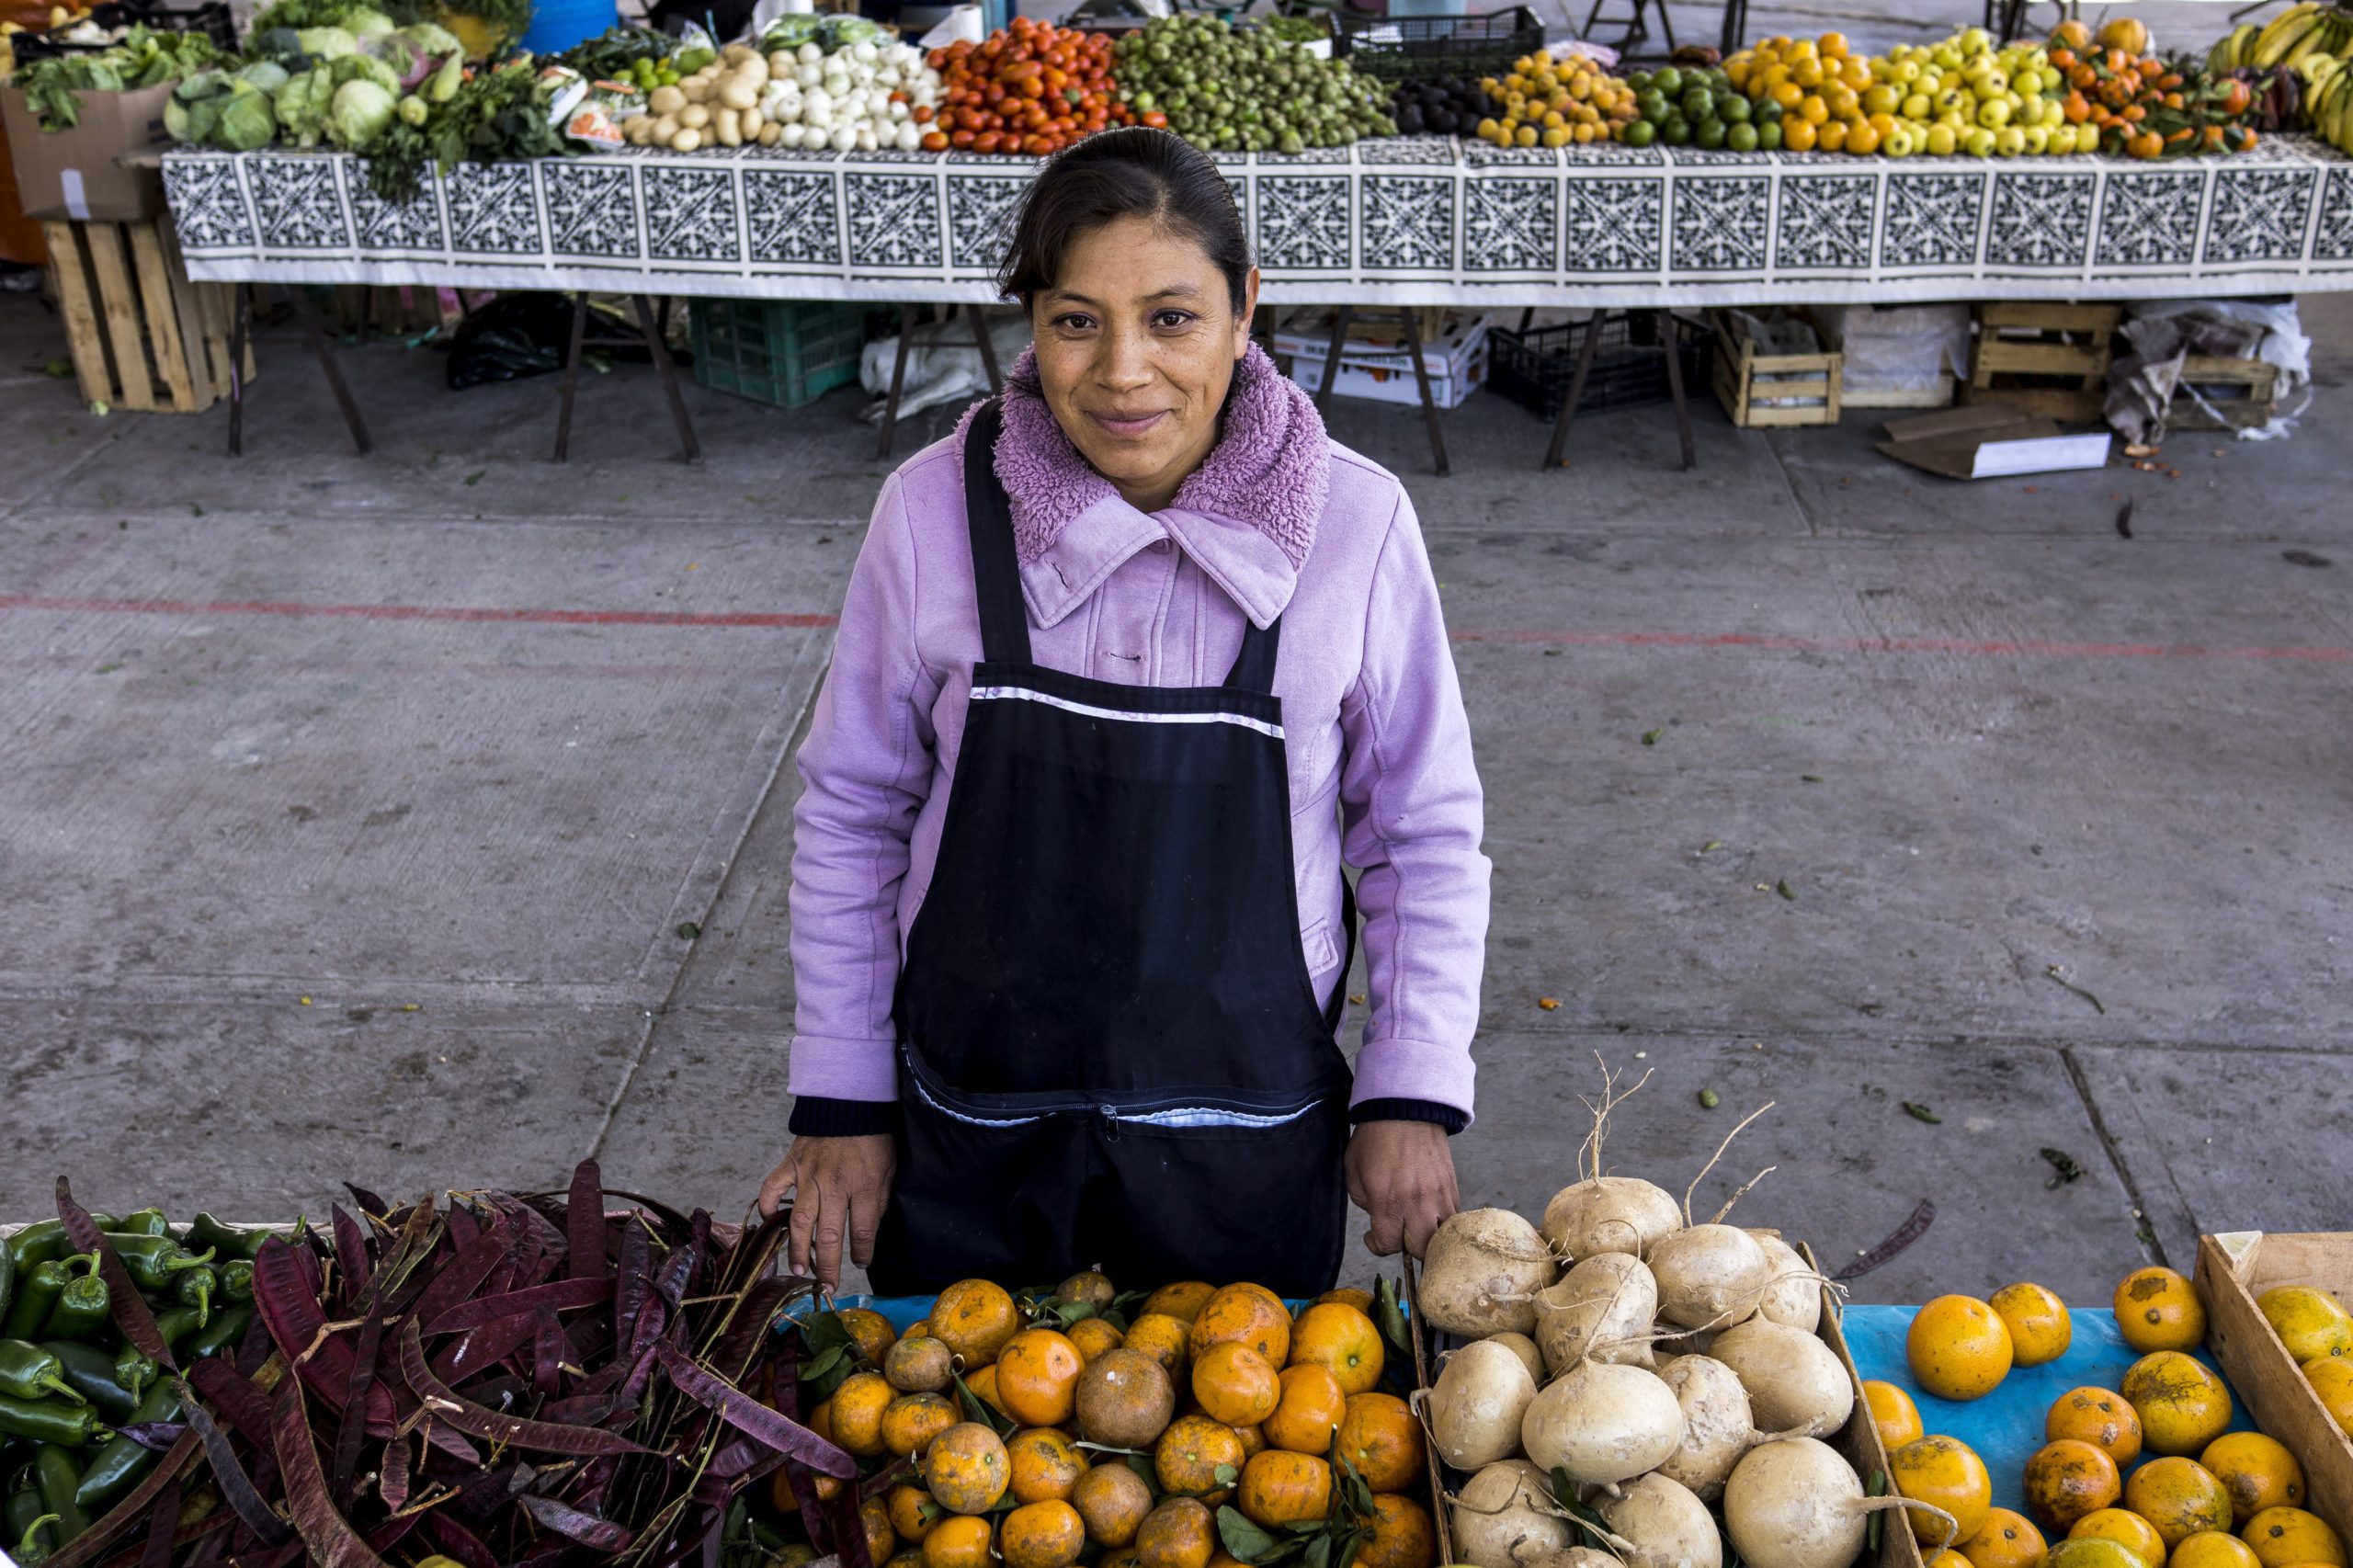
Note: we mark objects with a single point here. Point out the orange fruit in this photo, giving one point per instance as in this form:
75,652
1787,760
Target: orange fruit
1254,1440
1189,1454
1946,1473
1123,1400
2258,1471
974,1318
919,1364
1179,1534
1279,1488
1089,1287
1958,1347
1244,1315
2006,1540
2101,1417
920,1329
1182,1301
2331,1379
1402,1535
1382,1439
1046,1465
1111,1500
1037,1377
2039,1328
906,1503
1162,1337
2213,1549
1041,1534
1946,1557
780,1491
967,1468
820,1420
2283,1536
1892,1412
1092,1336
1310,1407
1236,1385
2311,1323
1798,135
959,1541
1342,1341
2068,1479
913,1420
880,1542
1348,1296
984,1386
905,1557
871,1331
2182,1405
2179,1496
2125,1527
859,1406
2156,1309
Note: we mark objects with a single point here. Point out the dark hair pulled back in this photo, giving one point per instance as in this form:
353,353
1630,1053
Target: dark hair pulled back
1130,173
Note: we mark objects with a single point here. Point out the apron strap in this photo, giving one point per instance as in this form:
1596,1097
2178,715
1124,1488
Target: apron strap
1254,666
997,572
1339,1002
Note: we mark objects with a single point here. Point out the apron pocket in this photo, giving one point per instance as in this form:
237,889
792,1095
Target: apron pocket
977,1197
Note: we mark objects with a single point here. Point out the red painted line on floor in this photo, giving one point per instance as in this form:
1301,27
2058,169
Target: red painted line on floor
2037,648
410,612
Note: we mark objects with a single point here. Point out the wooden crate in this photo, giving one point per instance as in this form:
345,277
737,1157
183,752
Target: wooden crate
1738,363
142,336
1937,396
2242,393
2050,360
2230,1277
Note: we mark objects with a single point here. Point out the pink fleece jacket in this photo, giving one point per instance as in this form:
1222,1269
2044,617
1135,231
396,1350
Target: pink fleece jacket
1279,520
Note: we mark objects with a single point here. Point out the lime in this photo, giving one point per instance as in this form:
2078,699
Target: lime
1675,132
1736,110
1668,81
1710,133
1698,103
1768,111
1768,136
1641,132
1651,105
1741,137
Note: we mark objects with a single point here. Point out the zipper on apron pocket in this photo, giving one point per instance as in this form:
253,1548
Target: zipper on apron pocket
1163,1111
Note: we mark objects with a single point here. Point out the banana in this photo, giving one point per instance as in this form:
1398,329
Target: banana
2278,26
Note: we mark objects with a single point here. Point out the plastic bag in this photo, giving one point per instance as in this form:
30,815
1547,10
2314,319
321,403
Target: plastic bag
516,335
2163,334
943,363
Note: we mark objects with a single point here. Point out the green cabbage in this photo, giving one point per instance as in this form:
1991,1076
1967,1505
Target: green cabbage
328,43
246,122
267,75
367,23
365,68
360,112
437,42
301,105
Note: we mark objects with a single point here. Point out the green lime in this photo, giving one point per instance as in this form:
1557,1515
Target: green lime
1640,133
1710,133
1743,137
1768,111
1698,103
1652,105
1768,136
1677,131
1668,81
1736,110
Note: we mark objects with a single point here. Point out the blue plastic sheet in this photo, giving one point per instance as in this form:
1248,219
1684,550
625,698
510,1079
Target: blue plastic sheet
2005,1427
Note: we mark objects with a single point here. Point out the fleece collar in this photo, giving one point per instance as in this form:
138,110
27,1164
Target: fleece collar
1247,516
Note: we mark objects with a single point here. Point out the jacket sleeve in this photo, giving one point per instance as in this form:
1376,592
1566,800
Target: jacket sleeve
866,767
1412,819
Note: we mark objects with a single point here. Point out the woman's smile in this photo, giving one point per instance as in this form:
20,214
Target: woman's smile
1122,423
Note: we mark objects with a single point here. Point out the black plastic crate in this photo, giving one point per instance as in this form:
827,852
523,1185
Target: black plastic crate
1401,48
211,18
1534,368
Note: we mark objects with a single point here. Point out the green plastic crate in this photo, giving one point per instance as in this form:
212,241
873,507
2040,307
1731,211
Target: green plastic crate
787,353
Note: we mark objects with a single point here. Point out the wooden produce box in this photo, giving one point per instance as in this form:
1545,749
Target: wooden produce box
2241,393
143,336
2050,360
1753,405
1937,397
2279,1400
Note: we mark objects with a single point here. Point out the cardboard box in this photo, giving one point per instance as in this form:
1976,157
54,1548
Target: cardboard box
2232,1271
1989,441
1374,364
72,175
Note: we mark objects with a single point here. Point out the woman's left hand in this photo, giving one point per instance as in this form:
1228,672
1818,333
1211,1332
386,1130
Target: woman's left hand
1401,1175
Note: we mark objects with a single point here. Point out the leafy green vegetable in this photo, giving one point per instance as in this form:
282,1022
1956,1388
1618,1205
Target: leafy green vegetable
360,112
298,14
328,43
499,113
143,59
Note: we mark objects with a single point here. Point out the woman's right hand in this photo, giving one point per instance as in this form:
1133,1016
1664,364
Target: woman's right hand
840,1186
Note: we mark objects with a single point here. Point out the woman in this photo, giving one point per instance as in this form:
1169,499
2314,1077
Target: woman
1126,669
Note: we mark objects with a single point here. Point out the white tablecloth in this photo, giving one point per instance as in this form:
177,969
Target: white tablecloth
1410,220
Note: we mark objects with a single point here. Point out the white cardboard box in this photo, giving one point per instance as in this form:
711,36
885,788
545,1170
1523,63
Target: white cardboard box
1374,364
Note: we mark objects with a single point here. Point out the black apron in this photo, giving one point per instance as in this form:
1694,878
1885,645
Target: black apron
1110,1052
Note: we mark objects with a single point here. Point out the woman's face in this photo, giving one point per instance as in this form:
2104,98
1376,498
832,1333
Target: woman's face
1137,341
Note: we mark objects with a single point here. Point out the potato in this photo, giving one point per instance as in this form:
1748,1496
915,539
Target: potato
697,90
749,123
687,140
729,133
694,117
770,134
1484,1269
664,131
739,92
1476,1406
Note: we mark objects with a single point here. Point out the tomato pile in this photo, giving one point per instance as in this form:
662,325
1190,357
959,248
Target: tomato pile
1034,88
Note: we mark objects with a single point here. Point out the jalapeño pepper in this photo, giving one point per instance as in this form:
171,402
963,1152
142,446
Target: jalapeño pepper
237,1279
37,1296
226,1240
150,1261
196,1287
176,1325
121,1463
149,1222
93,1374
225,1333
134,1370
51,1421
82,1307
59,1478
27,1536
27,1371
45,1240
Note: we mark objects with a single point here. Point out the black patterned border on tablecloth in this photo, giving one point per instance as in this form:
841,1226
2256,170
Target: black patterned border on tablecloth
591,210
2333,240
894,220
2259,215
298,203
209,203
2150,218
2040,220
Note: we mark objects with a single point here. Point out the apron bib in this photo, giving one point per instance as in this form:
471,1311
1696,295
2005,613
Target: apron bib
1110,1051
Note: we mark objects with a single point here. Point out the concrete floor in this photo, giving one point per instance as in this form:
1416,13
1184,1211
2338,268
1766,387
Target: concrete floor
354,807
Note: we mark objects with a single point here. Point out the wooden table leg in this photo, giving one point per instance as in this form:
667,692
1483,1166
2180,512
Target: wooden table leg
1421,379
988,349
1576,391
240,305
898,380
1673,341
1340,320
651,332
571,379
319,346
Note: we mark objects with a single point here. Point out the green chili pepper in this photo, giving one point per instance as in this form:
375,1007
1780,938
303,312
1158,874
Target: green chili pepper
176,1325
150,1261
148,1221
52,1421
43,1239
226,1240
237,1279
27,1371
37,1296
134,1370
59,1478
94,1374
121,1463
28,1529
226,1332
195,1289
82,1308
